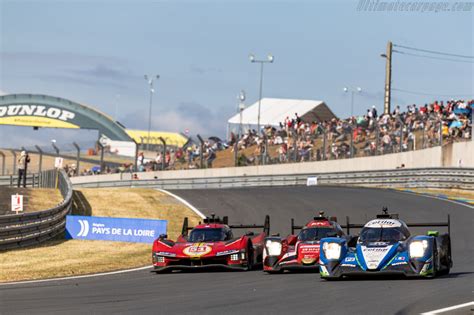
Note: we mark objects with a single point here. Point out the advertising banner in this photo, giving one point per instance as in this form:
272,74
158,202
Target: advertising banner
114,229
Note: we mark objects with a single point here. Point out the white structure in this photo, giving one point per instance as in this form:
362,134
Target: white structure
276,110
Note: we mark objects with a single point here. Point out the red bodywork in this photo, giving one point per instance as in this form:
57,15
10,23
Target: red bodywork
234,253
297,254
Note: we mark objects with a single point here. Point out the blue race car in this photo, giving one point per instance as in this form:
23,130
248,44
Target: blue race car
386,247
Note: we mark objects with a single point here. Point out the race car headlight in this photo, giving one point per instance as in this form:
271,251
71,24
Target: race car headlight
273,248
332,250
417,248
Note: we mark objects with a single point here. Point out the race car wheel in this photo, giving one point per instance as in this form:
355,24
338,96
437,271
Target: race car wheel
446,260
435,261
249,257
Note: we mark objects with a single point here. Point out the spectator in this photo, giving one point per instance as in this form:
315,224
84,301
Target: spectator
22,162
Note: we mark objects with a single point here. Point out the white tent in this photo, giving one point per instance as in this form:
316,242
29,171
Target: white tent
275,110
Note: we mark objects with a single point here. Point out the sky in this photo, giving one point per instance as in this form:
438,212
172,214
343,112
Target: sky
97,52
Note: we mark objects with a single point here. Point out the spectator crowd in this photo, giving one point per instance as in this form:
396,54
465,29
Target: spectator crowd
369,134
297,141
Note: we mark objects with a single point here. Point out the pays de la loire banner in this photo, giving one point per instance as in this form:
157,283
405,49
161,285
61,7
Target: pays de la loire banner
114,229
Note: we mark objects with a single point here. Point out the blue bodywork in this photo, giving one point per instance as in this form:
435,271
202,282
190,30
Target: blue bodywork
385,258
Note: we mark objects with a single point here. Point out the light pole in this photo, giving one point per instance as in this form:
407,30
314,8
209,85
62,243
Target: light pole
150,83
241,109
388,78
269,59
358,90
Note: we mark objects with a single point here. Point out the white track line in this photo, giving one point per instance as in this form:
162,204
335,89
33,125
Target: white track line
199,213
435,197
447,309
77,277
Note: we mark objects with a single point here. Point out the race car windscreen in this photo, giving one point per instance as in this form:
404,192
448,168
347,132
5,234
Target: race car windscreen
206,235
314,234
381,235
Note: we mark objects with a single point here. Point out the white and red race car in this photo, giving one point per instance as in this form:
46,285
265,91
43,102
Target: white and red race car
299,252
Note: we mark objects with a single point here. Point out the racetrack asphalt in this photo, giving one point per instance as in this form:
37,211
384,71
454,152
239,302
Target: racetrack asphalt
255,292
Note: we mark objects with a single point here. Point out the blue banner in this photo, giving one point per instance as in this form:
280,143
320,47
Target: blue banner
114,229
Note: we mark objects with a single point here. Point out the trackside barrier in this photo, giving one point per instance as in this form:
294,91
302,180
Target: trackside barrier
460,178
36,227
32,180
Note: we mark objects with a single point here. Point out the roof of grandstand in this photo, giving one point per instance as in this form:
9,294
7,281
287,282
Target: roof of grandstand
171,138
275,110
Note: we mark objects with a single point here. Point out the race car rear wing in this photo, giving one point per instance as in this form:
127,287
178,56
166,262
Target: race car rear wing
225,220
318,218
447,223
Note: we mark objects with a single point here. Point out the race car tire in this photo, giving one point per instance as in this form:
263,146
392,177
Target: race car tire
446,260
435,261
249,258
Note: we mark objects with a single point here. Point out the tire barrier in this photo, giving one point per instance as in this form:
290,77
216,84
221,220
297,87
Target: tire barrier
21,230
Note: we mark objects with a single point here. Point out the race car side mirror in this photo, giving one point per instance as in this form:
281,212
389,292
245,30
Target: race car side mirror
163,236
250,233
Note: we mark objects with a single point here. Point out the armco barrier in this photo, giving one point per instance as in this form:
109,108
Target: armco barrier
461,178
32,180
32,228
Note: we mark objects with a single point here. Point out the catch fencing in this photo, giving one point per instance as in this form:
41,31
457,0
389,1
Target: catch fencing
21,230
460,178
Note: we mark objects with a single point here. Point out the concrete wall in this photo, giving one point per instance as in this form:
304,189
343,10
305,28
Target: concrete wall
447,156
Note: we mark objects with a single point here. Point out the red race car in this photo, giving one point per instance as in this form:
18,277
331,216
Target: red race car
210,245
302,251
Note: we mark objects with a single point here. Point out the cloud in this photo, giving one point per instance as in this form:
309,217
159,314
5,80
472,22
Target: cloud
106,72
200,70
78,80
193,116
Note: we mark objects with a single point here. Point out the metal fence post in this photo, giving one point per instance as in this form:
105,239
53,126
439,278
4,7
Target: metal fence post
3,162
14,161
265,149
201,153
402,124
440,133
102,169
163,154
78,157
325,139
135,166
377,138
55,148
352,141
40,162
236,152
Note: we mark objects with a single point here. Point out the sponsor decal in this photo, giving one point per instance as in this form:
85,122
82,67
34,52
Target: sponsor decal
197,250
308,260
386,223
399,263
309,249
36,115
114,229
348,265
374,255
349,259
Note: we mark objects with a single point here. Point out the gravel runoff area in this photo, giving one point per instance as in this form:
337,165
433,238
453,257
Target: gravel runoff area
59,258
